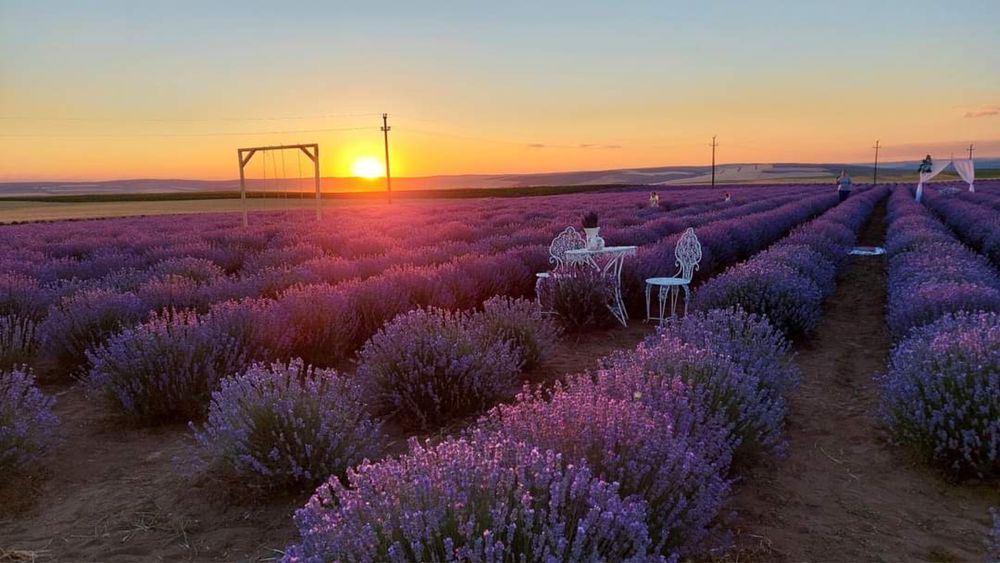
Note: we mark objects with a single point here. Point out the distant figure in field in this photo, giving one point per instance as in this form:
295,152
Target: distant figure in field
728,197
843,185
654,199
926,165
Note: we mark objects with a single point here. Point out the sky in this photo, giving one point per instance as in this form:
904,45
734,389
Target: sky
93,90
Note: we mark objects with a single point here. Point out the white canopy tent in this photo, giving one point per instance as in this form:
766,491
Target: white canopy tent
965,169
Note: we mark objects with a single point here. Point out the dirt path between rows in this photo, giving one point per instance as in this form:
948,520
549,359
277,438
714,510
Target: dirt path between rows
112,493
843,493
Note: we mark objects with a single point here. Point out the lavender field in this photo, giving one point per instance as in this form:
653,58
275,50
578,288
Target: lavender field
383,384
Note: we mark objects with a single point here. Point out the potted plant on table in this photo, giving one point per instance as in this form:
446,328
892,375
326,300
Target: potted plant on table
590,227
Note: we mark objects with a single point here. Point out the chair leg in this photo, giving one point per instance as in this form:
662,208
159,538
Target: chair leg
687,297
649,288
663,303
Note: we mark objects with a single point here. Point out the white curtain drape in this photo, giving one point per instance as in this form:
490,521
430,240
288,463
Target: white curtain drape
967,171
936,169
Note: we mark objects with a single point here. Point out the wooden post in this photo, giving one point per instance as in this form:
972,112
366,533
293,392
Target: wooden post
385,137
243,187
316,170
250,151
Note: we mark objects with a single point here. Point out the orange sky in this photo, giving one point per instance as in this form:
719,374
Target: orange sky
134,90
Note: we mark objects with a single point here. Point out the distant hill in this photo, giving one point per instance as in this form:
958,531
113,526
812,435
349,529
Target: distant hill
664,176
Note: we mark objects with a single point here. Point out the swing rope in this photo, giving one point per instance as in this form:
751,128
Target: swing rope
298,162
263,168
284,176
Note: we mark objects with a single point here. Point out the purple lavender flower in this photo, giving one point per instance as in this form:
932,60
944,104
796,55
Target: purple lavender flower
80,322
26,419
470,500
626,442
519,323
23,296
164,369
789,301
288,425
941,395
808,263
18,341
915,305
427,367
579,298
751,411
746,339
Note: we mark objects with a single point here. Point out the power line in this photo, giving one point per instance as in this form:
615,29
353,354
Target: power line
228,134
184,119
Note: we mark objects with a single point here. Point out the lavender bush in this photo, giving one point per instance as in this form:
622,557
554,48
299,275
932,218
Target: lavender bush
288,425
913,305
752,411
747,339
580,299
468,500
519,323
18,341
23,296
26,419
165,369
80,322
808,263
428,366
626,442
941,395
789,301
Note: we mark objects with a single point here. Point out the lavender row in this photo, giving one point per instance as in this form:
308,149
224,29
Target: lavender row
90,315
290,425
632,462
930,272
941,393
788,282
977,225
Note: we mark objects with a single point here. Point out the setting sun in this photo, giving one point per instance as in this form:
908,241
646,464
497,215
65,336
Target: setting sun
368,167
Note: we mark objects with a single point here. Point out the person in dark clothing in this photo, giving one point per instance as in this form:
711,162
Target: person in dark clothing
844,185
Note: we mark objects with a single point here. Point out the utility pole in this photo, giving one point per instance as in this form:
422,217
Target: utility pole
385,137
971,150
713,145
875,175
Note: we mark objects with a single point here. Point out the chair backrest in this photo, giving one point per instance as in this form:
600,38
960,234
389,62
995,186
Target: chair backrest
688,254
568,239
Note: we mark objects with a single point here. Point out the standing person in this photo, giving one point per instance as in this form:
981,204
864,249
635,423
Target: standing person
843,185
654,199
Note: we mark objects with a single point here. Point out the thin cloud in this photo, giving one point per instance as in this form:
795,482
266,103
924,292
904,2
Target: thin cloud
578,146
985,111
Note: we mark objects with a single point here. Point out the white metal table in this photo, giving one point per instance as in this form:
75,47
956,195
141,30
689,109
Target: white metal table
613,258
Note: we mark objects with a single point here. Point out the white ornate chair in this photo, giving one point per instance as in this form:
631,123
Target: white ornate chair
568,239
688,255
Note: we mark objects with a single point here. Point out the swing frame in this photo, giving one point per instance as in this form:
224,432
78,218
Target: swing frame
311,150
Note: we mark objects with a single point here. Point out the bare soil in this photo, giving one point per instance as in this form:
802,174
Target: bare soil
844,493
113,493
